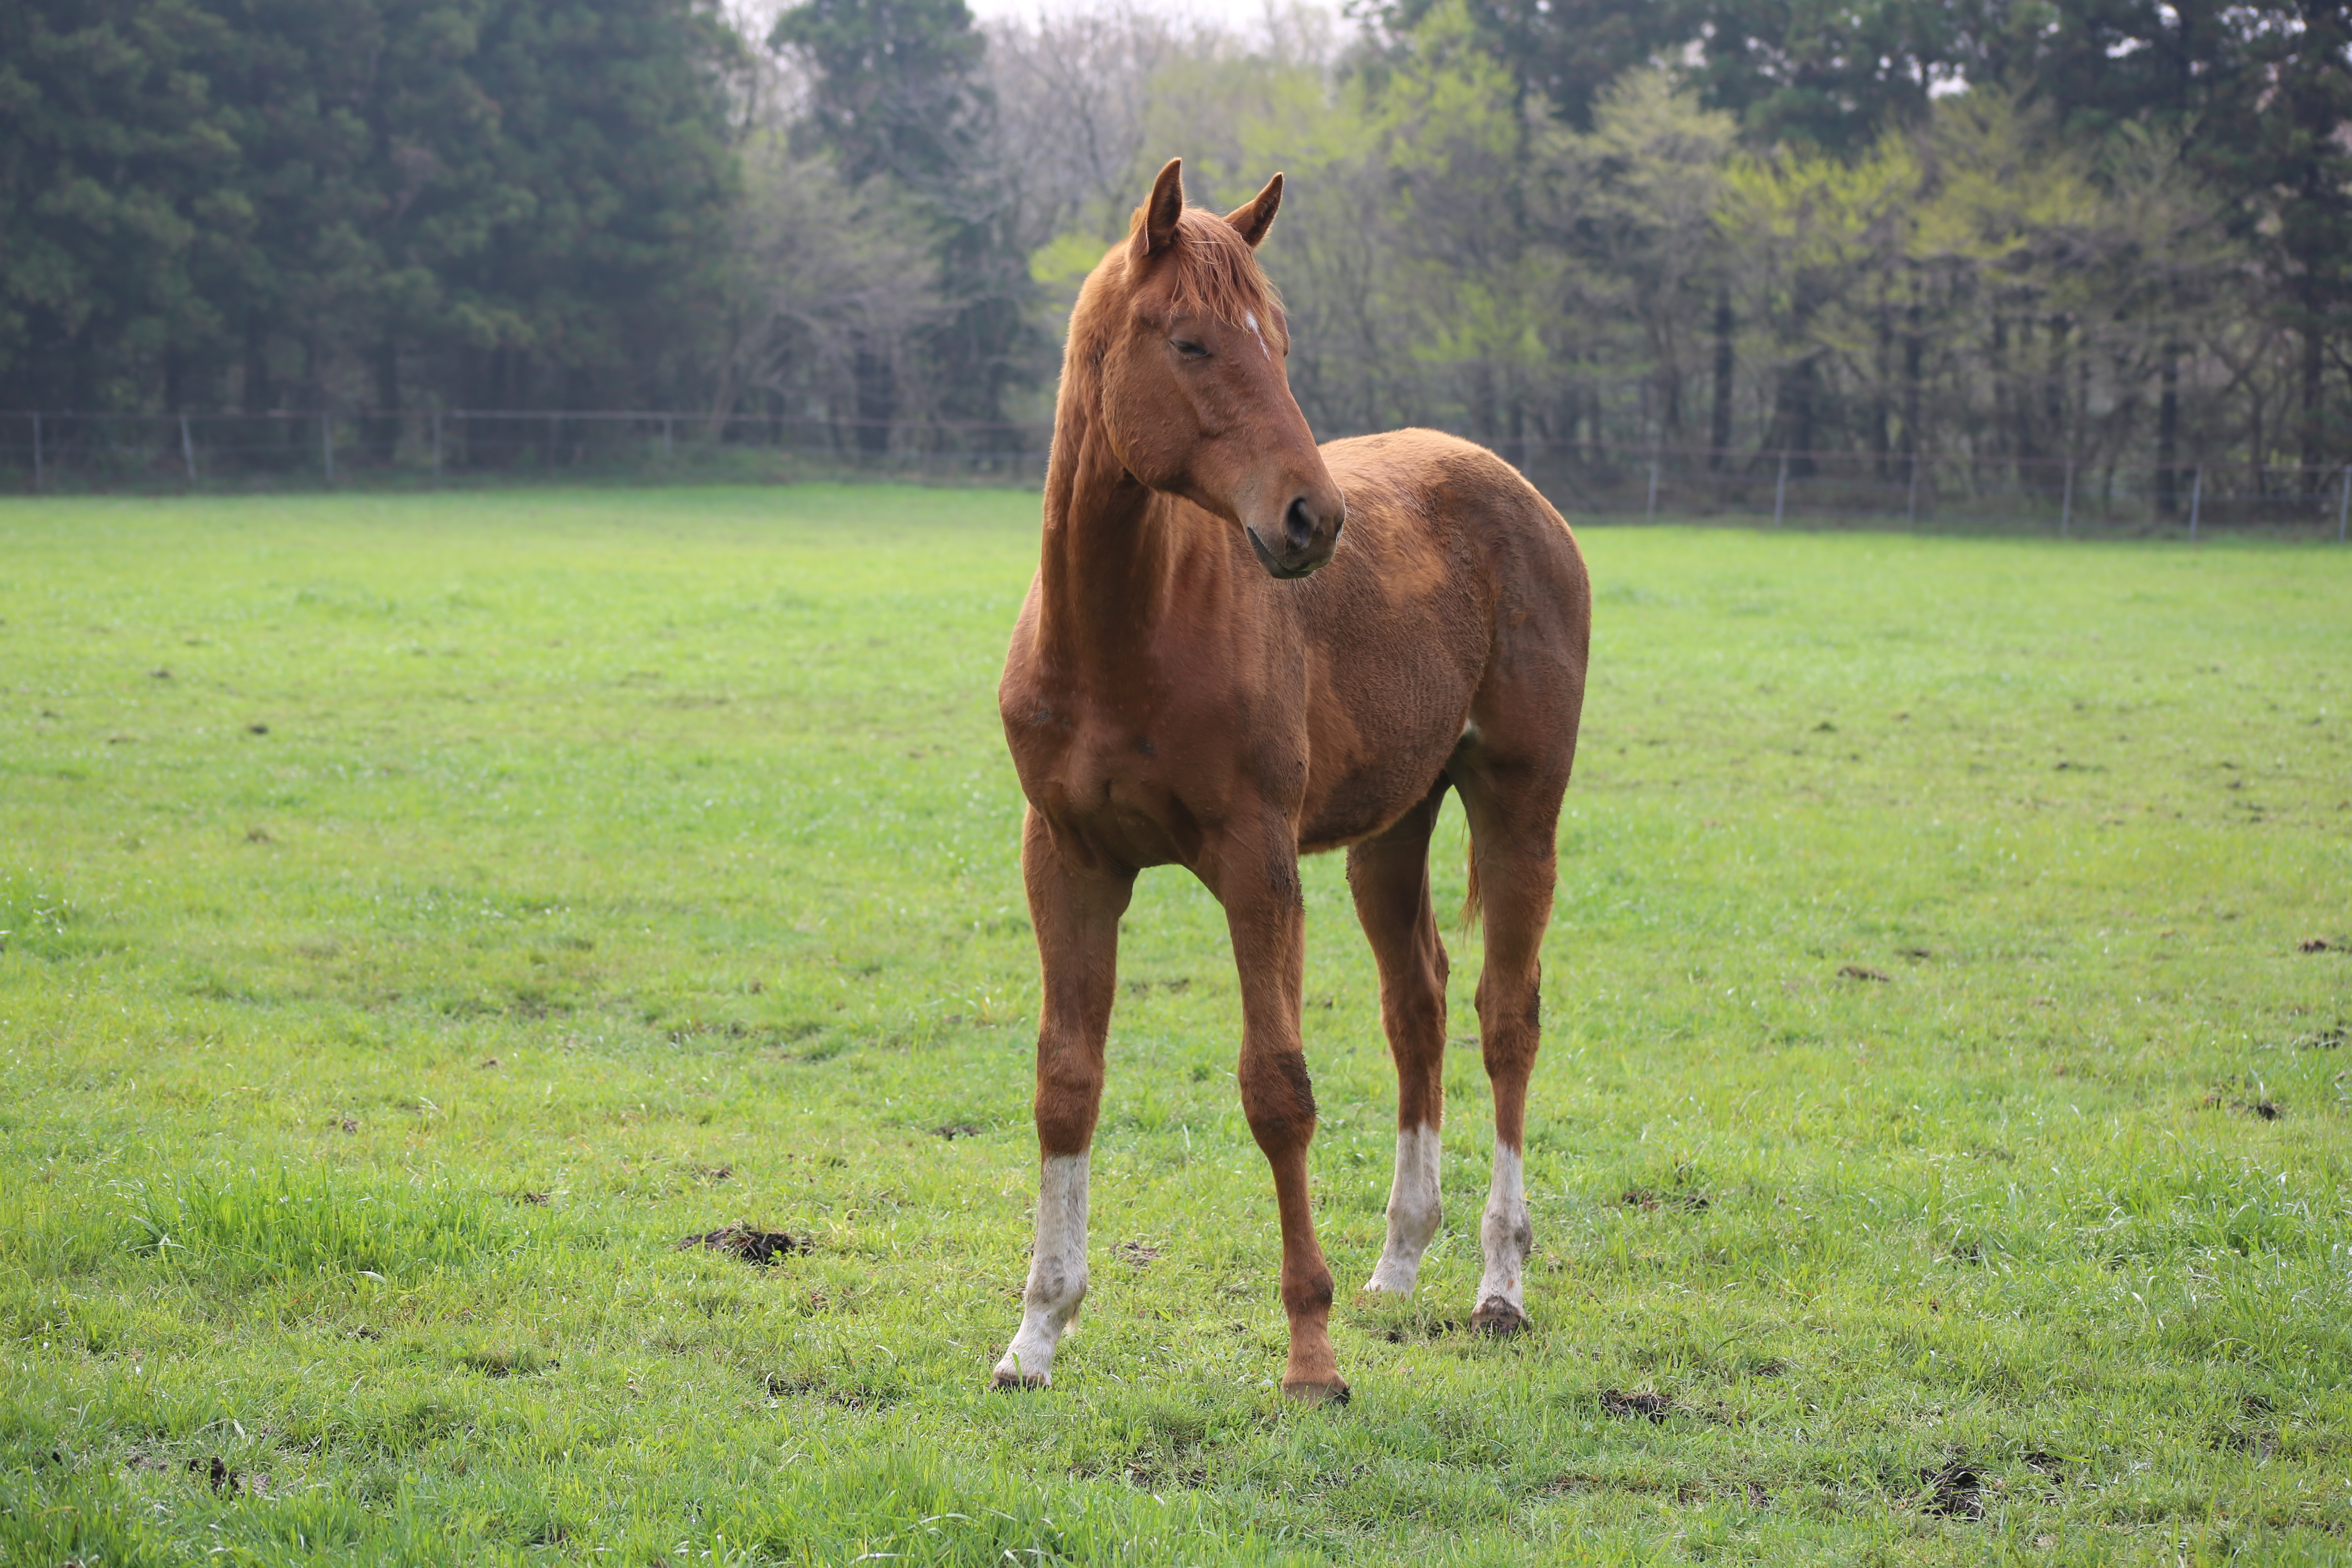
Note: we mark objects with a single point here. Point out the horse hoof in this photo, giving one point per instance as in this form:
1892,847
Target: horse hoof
1497,1316
1008,1378
1332,1393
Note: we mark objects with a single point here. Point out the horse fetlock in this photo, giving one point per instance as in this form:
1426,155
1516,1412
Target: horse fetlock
1051,1306
1416,1211
1057,1274
1029,1365
1507,1238
1312,1372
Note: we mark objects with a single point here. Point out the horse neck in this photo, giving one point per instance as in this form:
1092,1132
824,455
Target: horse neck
1107,550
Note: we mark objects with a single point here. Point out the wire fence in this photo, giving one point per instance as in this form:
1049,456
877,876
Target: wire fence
45,452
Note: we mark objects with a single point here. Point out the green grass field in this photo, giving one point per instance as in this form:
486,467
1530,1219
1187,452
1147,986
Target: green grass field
423,912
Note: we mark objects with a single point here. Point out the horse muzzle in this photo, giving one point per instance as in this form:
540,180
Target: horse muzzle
1310,533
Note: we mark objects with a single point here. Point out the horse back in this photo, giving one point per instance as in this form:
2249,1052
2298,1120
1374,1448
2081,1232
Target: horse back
1447,538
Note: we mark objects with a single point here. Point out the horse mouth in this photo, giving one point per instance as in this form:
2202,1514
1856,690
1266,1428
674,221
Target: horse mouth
1274,568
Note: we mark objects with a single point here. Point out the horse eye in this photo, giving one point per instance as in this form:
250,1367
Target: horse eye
1189,349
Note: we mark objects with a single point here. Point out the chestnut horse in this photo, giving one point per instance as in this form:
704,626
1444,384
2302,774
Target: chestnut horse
1203,675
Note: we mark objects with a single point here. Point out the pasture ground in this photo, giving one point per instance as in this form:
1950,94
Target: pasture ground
422,912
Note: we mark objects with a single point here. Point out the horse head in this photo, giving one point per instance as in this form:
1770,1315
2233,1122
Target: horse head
1184,340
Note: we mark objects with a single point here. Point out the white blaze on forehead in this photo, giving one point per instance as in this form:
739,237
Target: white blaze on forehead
1416,1210
1058,1271
1250,319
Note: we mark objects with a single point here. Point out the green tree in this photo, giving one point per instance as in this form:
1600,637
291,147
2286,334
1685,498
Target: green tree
900,95
114,157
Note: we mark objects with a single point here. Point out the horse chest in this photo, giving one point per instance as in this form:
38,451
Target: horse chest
1133,794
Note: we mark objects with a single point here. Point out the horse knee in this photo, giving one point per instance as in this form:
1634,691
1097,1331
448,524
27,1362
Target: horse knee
1277,1098
1066,1103
1306,1289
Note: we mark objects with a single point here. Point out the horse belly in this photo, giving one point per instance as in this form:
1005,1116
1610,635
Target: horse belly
1358,789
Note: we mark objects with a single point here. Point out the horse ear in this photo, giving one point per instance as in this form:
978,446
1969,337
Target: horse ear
1156,229
1254,218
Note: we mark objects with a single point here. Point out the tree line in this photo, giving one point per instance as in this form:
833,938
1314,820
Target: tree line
2027,231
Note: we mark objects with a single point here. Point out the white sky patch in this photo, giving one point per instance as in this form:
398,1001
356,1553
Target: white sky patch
1254,21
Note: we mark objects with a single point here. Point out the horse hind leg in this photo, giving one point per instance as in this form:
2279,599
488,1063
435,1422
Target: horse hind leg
1513,820
1389,878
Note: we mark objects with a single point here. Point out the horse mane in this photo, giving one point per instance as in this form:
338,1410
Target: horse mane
1217,273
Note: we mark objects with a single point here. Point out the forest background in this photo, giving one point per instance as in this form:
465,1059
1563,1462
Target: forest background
2115,230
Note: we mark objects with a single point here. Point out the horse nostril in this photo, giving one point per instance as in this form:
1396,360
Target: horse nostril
1297,527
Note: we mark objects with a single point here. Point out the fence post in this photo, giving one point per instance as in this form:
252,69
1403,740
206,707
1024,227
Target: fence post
1651,514
187,448
2342,506
1911,505
551,443
39,478
2195,500
437,443
1780,489
667,421
2066,509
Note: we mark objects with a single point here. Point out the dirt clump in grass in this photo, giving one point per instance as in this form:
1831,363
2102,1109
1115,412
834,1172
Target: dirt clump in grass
1644,1403
1138,1253
2043,1463
748,1243
1864,972
1650,1200
1406,1333
2315,944
523,1361
2255,1437
783,1385
954,1129
1955,1490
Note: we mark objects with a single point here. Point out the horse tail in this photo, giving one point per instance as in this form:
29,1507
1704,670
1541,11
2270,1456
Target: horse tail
1472,906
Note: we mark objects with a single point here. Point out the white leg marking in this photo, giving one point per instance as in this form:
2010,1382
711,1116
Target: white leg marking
1057,1274
1505,1233
1414,1211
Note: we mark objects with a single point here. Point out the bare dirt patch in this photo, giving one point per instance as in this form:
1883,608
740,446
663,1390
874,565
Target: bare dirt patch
1955,1490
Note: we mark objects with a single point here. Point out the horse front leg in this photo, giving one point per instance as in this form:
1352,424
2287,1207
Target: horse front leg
1258,884
1075,909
